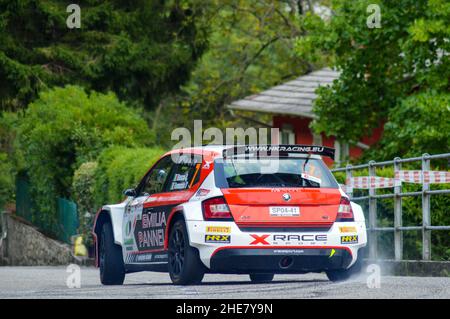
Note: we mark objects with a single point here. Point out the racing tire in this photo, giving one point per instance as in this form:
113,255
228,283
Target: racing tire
340,275
112,269
261,278
185,266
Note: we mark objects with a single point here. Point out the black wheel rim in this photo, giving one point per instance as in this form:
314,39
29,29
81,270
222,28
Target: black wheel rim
176,252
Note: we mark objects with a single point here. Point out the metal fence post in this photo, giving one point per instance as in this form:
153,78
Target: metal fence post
398,234
348,176
372,214
426,219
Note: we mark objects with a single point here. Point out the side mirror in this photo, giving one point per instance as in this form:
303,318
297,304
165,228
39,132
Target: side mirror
131,192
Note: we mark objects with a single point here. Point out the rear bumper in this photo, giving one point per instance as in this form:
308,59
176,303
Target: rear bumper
279,259
271,241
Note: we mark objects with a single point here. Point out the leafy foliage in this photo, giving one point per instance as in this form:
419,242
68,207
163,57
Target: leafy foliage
83,193
66,127
141,49
418,124
120,168
251,48
6,180
380,66
10,157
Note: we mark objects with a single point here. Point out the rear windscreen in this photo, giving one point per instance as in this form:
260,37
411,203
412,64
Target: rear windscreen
279,172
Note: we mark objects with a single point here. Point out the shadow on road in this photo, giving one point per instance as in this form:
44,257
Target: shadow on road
230,283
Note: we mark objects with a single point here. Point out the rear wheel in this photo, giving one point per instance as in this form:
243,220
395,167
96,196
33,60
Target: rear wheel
345,274
261,278
112,269
185,266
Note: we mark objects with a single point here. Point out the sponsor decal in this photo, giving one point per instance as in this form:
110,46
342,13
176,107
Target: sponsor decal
223,239
128,228
311,178
351,239
333,251
289,251
289,239
207,165
150,229
128,242
276,148
259,240
266,149
296,238
347,229
284,211
285,189
180,178
202,192
146,258
176,186
218,229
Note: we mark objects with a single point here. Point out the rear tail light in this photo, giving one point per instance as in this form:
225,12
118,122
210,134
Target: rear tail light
216,208
345,212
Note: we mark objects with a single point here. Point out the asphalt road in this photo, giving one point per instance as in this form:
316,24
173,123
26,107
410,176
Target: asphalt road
50,282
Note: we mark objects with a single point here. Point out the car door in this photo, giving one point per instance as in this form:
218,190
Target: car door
165,186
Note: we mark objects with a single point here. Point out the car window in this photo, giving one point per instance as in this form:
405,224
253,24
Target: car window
285,172
183,176
157,177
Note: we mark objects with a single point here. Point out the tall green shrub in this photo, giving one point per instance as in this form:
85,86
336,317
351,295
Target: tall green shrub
120,168
66,127
10,157
83,194
6,180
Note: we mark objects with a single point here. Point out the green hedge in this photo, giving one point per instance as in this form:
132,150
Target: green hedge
120,168
412,216
10,157
66,127
6,181
83,188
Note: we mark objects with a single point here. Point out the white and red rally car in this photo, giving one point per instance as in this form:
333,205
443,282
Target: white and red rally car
256,209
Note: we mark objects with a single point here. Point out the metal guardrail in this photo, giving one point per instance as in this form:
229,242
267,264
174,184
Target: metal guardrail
397,195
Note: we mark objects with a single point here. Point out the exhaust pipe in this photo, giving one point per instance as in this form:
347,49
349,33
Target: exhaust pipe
286,262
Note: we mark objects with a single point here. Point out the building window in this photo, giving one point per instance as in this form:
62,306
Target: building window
287,135
317,139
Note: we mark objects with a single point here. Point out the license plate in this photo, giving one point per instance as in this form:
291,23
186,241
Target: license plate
284,211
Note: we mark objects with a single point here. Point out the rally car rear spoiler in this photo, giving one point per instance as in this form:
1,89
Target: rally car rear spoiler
277,150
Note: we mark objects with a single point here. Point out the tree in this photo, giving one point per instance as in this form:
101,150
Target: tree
66,127
141,49
6,180
11,159
251,48
418,124
380,66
